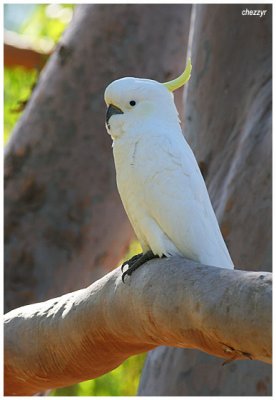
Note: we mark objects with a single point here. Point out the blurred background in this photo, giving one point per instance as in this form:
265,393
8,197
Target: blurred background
31,32
65,226
30,36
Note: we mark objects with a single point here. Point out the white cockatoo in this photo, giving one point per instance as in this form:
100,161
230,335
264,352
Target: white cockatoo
158,178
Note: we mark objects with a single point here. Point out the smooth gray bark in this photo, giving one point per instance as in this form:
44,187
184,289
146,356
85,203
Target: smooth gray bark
173,302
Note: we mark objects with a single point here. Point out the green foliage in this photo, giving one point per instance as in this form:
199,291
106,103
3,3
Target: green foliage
17,88
48,21
122,381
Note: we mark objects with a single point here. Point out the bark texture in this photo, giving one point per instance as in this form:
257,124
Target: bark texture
87,333
228,125
64,222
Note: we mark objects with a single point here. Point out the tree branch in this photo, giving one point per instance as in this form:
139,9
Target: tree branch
26,58
19,51
172,302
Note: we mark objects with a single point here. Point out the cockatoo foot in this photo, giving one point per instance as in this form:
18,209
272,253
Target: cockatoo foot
131,261
136,261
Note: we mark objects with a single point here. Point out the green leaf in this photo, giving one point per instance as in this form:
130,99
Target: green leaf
122,381
18,85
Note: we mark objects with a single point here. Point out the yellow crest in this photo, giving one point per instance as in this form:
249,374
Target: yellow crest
181,80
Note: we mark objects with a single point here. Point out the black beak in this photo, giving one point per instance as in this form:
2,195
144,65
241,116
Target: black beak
111,111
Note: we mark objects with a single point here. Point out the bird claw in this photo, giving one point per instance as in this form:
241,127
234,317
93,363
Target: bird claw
128,272
123,276
131,261
135,262
123,265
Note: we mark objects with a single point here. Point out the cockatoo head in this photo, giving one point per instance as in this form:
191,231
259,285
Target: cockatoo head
134,102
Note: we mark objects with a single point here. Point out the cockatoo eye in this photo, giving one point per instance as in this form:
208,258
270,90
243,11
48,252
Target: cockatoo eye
132,103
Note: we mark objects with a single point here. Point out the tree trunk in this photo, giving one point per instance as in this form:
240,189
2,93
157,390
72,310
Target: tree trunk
64,221
228,124
87,333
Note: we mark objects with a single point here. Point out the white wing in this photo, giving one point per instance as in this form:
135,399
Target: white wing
177,199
